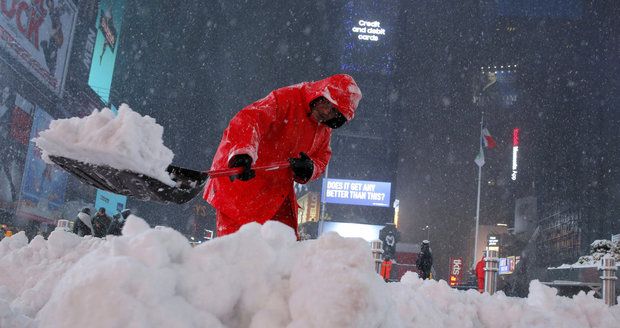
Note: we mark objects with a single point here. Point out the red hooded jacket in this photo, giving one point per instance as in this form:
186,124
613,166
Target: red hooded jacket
274,129
480,273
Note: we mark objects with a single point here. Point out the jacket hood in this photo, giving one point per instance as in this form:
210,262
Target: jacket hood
340,89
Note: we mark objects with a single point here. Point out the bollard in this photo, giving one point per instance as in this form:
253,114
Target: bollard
377,253
491,269
63,224
608,277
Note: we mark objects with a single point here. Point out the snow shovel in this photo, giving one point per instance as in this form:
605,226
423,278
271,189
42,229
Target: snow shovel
136,185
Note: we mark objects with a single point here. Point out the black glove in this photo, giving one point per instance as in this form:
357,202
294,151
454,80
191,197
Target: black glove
244,161
302,167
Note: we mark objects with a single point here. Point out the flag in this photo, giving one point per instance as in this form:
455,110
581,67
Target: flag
488,140
480,158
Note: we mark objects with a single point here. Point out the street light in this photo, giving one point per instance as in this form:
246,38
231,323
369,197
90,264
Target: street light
428,232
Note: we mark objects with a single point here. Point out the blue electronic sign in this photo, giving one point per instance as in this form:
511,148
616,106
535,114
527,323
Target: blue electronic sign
43,185
112,203
356,192
109,22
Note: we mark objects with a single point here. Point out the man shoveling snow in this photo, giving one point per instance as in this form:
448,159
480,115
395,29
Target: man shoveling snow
293,123
291,127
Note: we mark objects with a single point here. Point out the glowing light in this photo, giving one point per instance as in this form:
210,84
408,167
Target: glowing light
515,137
368,30
352,230
515,152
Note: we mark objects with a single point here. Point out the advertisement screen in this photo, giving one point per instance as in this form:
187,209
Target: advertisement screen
43,185
356,192
309,207
38,34
507,264
369,31
109,21
112,203
12,150
504,267
367,232
496,86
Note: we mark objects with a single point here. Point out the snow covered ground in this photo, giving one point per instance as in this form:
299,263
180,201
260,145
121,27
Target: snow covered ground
258,277
127,141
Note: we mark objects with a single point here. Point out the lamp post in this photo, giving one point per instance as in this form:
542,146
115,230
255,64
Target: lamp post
428,232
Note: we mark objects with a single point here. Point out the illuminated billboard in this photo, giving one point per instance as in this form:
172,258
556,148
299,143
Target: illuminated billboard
356,192
368,31
367,232
508,264
367,36
43,185
112,203
109,20
309,208
515,152
496,86
38,34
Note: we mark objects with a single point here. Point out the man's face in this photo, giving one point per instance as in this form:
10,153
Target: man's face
322,110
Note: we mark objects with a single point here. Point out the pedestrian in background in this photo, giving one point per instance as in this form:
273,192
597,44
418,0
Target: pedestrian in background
480,272
5,231
83,225
386,269
101,222
424,262
118,222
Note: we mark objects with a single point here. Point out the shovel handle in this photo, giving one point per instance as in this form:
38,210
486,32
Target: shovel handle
238,170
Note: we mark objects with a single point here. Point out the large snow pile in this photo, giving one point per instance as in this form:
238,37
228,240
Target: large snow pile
257,277
127,141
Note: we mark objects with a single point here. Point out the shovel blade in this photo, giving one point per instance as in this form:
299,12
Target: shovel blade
136,185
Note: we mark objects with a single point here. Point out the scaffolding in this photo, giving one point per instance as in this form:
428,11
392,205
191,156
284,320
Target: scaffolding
560,236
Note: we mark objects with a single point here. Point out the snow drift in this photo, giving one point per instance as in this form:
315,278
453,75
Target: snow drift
258,277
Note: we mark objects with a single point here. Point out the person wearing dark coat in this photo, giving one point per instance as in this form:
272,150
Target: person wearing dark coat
83,223
118,221
424,262
101,222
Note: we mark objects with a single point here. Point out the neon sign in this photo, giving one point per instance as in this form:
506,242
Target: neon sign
515,152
